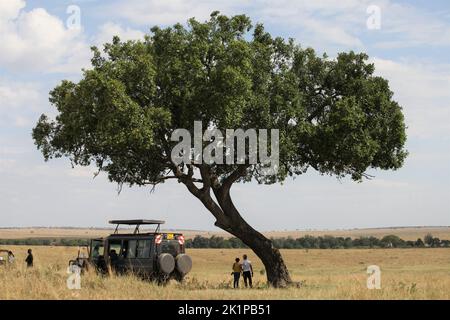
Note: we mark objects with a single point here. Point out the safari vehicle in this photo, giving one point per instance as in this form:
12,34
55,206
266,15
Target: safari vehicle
153,255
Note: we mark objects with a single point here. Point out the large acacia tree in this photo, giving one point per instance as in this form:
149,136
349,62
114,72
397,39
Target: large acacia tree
333,115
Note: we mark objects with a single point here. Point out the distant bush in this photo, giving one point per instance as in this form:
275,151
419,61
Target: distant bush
214,242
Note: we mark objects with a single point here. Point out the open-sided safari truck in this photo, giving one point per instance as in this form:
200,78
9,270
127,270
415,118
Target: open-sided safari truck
153,255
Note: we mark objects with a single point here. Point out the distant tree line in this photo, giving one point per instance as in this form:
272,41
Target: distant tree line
67,242
306,242
325,242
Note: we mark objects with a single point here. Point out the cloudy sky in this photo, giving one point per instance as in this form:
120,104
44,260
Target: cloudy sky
40,45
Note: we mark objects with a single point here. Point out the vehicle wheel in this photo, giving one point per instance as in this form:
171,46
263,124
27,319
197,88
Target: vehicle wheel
162,279
183,263
86,266
166,263
178,276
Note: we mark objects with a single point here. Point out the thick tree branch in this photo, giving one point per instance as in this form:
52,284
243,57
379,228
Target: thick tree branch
234,176
202,194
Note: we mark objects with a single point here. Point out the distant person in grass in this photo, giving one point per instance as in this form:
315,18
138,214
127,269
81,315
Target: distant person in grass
237,269
29,259
247,271
11,257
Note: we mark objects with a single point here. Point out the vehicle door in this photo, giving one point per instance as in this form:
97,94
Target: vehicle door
138,255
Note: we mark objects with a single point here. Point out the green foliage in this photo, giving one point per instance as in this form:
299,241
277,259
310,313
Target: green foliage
428,239
68,242
310,242
392,241
215,242
334,115
419,243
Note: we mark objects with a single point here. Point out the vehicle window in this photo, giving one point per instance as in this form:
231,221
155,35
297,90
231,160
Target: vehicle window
143,248
115,249
129,249
97,249
170,246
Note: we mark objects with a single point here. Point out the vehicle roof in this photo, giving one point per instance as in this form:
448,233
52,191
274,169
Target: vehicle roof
141,234
119,235
137,222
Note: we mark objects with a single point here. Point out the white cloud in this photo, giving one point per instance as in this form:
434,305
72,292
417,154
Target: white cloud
37,40
15,95
108,30
423,89
19,102
6,164
404,25
155,12
10,150
344,22
22,122
300,16
82,172
10,9
337,23
387,184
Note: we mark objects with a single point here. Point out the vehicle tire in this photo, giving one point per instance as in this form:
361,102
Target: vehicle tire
183,263
86,266
166,263
162,279
178,276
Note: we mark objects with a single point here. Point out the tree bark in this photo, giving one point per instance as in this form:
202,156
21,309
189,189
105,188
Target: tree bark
276,270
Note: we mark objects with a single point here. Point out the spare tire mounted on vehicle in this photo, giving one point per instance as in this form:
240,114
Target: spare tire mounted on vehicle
183,263
166,263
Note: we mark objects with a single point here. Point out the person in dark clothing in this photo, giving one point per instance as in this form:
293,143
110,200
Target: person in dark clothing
237,268
113,255
29,259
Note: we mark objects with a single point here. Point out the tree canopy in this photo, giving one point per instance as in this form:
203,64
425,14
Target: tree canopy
334,115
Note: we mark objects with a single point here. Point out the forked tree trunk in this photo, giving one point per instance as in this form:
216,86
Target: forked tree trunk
229,219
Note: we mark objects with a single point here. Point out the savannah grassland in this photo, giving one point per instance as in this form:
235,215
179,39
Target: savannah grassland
323,274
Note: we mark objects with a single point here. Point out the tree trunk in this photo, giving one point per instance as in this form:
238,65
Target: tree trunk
276,270
229,219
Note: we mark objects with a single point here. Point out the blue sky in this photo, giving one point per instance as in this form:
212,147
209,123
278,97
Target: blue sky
410,49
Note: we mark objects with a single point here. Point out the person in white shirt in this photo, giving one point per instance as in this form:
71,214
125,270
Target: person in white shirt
247,271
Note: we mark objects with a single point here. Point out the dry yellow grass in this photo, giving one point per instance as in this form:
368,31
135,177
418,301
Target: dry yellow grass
406,233
325,274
